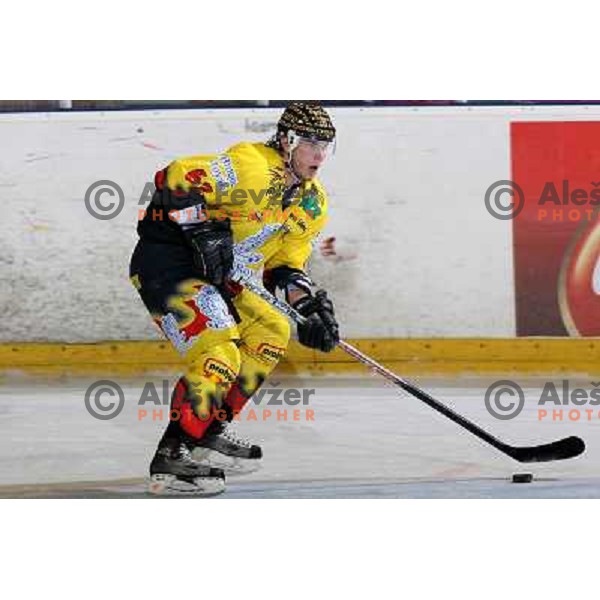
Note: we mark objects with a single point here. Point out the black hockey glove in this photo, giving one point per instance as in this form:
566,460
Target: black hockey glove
287,279
212,246
320,331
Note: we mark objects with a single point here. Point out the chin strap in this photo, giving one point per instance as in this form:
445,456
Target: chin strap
293,141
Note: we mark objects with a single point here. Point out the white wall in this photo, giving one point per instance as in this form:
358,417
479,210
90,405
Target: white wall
406,186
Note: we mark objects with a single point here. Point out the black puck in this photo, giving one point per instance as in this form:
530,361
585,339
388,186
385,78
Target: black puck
522,478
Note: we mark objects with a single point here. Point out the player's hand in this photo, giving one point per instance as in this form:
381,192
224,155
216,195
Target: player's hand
212,246
321,330
327,247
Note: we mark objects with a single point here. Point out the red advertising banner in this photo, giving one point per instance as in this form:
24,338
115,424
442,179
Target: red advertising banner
556,235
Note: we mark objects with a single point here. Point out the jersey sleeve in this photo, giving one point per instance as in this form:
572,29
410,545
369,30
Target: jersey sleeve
293,256
197,184
193,174
211,175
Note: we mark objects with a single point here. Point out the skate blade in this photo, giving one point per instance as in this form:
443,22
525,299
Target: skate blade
169,485
232,465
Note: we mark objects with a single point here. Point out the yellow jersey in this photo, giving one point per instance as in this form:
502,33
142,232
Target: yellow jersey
271,226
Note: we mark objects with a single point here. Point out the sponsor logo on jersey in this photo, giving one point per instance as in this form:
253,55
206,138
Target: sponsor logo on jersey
212,366
271,352
245,250
311,204
245,256
298,221
223,172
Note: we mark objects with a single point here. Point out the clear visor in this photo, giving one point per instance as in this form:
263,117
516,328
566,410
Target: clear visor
312,144
317,145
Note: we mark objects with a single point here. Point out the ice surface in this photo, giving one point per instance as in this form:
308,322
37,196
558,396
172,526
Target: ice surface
367,440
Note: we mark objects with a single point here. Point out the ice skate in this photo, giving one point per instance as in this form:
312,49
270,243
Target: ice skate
223,448
173,471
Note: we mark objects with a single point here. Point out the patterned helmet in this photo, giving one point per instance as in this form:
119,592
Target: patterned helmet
307,119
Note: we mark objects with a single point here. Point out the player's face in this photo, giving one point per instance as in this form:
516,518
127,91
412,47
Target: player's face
308,156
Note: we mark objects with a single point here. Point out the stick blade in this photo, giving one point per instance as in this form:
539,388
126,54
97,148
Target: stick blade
560,450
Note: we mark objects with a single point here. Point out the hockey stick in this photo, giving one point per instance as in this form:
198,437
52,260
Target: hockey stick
561,449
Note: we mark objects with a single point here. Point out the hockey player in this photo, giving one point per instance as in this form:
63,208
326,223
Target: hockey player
257,206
